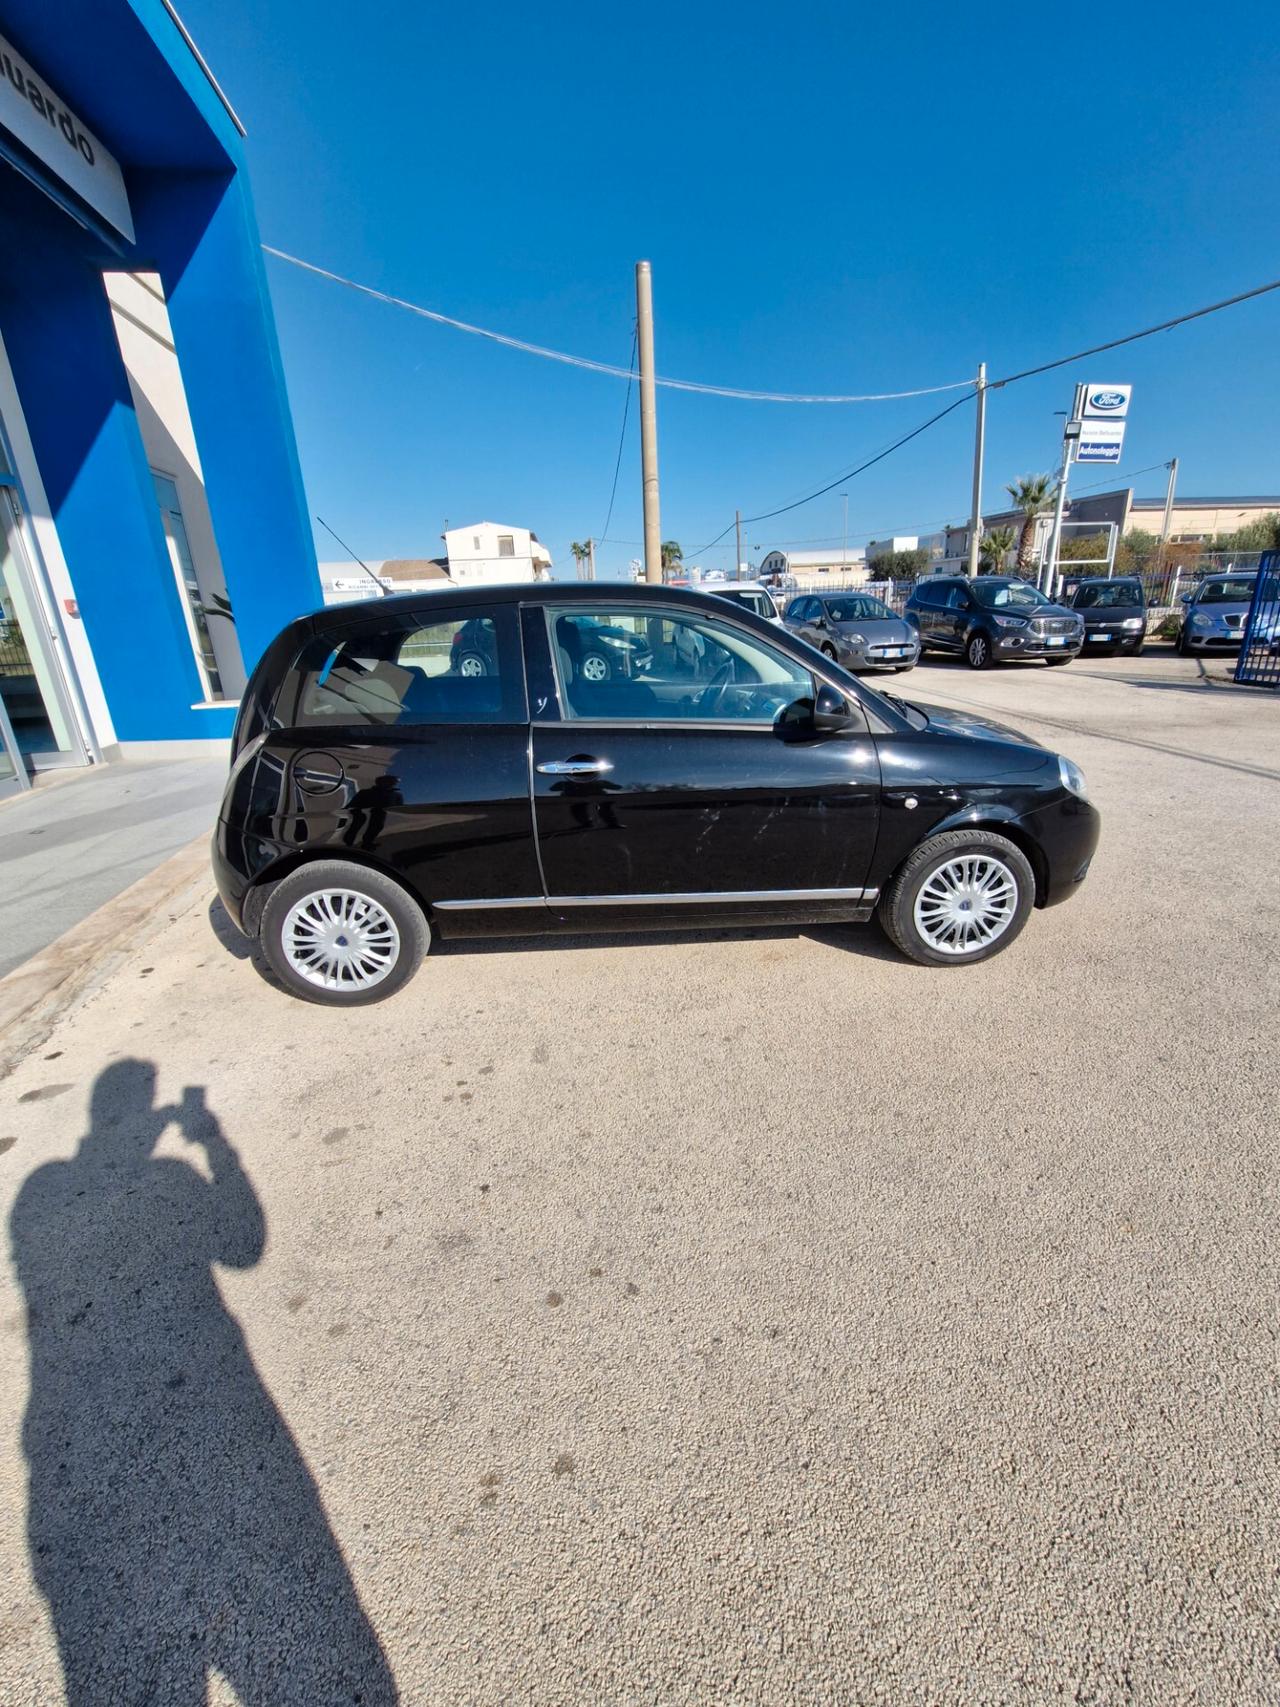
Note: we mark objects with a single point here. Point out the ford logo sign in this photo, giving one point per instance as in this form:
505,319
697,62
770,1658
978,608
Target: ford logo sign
1107,400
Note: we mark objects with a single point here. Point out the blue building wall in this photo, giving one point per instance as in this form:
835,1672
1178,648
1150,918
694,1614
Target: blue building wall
124,67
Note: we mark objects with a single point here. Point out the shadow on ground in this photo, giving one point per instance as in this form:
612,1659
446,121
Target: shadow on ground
174,1528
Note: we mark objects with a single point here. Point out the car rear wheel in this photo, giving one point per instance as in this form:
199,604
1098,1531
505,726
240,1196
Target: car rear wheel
338,933
473,664
978,652
961,897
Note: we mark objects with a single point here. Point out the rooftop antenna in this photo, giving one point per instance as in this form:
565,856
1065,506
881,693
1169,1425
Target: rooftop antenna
360,560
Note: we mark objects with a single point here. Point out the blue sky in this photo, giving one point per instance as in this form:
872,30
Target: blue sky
833,198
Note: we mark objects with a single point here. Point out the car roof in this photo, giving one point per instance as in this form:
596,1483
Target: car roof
591,593
1101,580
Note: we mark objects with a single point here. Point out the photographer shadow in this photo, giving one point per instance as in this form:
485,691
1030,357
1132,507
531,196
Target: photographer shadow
174,1527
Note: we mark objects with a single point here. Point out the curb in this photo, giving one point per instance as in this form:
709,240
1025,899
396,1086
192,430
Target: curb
35,995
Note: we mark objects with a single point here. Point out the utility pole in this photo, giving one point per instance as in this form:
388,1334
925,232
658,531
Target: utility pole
1070,434
648,423
737,534
979,447
591,560
1168,502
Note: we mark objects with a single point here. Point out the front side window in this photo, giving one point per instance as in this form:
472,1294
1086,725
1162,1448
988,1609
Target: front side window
463,668
957,597
669,665
1008,595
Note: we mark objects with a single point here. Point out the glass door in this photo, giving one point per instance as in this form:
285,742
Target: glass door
33,697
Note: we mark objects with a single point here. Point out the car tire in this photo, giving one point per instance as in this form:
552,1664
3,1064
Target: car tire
1184,649
978,651
473,664
900,669
914,894
1136,650
1054,663
595,668
828,651
312,910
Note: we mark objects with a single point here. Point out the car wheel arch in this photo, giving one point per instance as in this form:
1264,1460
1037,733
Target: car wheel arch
259,891
1000,824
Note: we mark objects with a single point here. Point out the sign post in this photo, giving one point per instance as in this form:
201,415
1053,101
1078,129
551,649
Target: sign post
1095,428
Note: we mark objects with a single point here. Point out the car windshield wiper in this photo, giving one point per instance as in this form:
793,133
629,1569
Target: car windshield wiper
904,706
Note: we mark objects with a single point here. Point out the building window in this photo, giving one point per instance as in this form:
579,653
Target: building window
475,542
506,545
196,611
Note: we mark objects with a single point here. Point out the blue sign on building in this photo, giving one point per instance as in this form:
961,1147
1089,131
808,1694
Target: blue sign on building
155,532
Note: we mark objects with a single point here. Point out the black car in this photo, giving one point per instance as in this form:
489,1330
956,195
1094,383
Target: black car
1114,610
856,629
993,619
379,797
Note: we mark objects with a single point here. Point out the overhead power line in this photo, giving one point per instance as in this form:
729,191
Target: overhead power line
768,515
622,439
1132,337
605,367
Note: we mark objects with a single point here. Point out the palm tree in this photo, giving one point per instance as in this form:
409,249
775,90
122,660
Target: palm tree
995,548
672,556
580,555
1033,494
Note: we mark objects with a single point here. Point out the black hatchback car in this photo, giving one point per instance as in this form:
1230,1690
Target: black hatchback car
382,794
993,619
1114,610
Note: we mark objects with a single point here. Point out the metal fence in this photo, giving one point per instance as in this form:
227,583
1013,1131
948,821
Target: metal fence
1259,661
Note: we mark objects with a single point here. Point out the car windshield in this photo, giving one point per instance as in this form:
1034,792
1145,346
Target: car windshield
1228,590
862,608
751,597
1007,595
1106,595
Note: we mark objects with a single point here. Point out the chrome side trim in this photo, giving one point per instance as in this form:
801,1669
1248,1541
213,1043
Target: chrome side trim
700,897
506,901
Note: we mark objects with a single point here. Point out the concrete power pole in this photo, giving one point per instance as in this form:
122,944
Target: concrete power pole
591,560
648,424
1168,502
979,447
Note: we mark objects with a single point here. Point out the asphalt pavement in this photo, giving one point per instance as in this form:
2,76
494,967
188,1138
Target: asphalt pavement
745,1318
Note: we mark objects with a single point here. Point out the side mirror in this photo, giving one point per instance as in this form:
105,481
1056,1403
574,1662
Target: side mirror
831,709
1186,599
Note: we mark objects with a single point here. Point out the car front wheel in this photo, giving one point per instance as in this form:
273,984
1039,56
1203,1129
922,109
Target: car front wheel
961,897
338,933
978,652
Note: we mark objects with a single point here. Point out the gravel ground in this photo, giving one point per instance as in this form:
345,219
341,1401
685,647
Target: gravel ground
754,1318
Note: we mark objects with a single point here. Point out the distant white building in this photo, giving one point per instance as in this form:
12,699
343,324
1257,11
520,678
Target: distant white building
933,543
488,553
815,568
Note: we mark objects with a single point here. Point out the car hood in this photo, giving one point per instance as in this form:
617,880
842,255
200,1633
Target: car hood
971,726
1215,609
1098,616
878,628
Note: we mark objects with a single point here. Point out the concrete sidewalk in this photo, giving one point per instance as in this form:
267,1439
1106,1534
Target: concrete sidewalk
81,838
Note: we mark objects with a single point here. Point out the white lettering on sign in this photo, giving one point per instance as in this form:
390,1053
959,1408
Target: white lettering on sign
47,128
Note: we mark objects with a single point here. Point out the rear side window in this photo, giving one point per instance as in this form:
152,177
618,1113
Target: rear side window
463,668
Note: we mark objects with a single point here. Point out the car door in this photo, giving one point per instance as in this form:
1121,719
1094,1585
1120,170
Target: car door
402,738
698,789
953,620
929,611
797,616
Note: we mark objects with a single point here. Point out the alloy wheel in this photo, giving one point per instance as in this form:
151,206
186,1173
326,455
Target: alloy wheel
595,668
339,939
966,904
978,651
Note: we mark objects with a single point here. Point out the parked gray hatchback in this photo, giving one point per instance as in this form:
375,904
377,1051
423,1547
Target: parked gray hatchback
1217,611
860,632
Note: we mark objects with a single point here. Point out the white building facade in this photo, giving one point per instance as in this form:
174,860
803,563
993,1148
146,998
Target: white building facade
490,553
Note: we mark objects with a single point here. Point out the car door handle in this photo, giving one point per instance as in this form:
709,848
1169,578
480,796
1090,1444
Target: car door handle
574,767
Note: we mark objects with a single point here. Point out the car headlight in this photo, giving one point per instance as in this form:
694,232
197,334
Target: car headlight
855,639
1011,621
1198,621
1072,777
1132,622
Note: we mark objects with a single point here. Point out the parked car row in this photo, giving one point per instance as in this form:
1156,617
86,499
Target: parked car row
459,764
